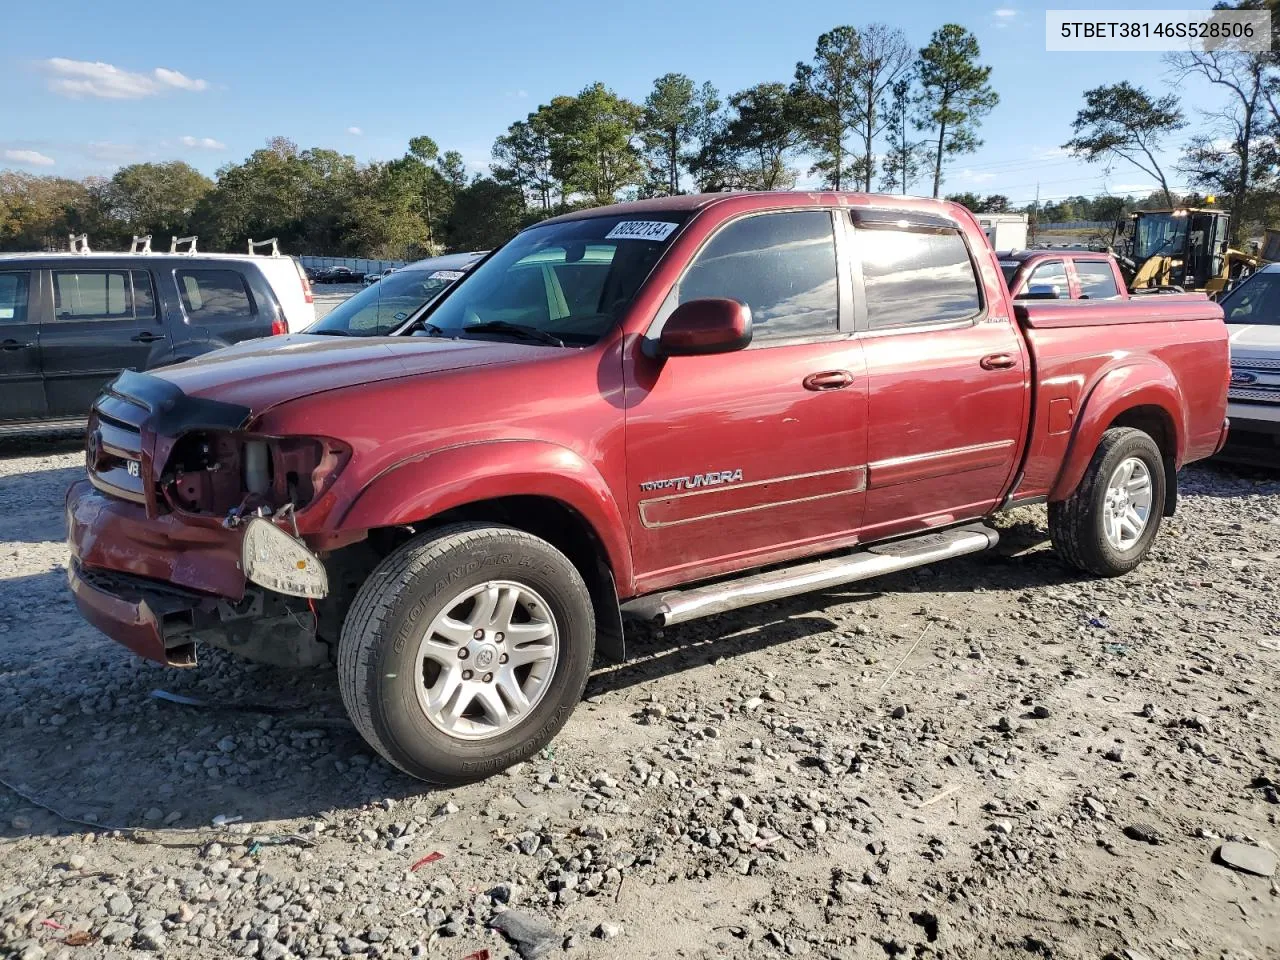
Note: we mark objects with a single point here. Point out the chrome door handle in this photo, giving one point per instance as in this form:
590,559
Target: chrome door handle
828,380
997,361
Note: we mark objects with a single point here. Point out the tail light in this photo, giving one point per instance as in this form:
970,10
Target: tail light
306,284
279,327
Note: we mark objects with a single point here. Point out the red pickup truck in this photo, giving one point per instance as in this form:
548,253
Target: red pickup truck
663,409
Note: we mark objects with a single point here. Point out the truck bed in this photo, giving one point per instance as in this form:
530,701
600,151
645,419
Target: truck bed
1175,354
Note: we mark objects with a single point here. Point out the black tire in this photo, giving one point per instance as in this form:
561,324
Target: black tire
377,654
1076,524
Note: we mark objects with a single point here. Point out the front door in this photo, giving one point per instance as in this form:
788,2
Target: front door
21,387
946,374
103,321
743,458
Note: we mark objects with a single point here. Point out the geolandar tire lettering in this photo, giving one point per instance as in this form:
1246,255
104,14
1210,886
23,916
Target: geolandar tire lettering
465,651
1106,527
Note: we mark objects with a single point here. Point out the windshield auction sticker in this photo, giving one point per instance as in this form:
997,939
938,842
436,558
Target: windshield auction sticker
1157,30
641,230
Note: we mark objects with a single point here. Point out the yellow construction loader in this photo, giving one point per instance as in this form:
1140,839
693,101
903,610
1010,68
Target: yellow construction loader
1186,248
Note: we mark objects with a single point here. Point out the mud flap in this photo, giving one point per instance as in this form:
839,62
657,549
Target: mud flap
610,641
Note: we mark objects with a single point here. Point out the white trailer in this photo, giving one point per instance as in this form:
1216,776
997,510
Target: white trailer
1006,231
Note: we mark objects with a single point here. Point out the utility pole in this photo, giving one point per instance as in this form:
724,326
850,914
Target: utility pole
1035,217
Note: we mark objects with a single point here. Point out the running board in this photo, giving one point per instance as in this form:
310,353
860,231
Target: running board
676,606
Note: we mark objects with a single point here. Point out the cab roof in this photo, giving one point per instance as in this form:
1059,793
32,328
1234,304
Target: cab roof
758,200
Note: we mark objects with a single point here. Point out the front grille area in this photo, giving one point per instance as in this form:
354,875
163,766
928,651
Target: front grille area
114,450
1254,394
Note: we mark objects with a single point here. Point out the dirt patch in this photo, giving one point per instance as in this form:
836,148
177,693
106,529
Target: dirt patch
1049,773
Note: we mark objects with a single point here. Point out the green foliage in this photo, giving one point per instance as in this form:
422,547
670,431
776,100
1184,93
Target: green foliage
485,214
904,158
954,94
826,93
155,198
1124,121
994,203
668,124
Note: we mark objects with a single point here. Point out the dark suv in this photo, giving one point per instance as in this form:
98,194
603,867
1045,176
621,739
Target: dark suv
69,323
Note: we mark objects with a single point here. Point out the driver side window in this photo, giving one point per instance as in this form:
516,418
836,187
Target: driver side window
781,265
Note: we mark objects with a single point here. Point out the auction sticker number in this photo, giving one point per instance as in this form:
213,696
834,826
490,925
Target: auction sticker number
642,230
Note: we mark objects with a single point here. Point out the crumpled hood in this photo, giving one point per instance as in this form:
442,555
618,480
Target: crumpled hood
1254,340
259,374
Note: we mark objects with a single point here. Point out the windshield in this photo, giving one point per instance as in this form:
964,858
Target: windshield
1257,300
1159,233
563,282
377,310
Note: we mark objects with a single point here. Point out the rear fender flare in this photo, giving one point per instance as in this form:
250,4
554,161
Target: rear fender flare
1141,382
417,489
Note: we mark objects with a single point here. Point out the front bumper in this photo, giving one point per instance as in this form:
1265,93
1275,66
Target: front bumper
1255,435
144,581
159,586
136,616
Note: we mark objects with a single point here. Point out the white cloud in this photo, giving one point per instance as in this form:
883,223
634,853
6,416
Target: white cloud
522,94
1005,13
355,131
30,158
203,143
172,78
972,176
84,78
1052,153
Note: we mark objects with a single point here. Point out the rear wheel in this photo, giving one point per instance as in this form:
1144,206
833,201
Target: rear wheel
466,651
1107,526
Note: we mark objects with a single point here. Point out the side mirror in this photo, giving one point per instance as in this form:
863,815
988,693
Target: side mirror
710,325
1040,291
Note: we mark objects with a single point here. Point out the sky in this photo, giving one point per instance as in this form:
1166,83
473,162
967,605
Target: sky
100,85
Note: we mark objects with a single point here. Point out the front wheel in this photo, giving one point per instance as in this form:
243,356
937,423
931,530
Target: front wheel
1107,525
465,651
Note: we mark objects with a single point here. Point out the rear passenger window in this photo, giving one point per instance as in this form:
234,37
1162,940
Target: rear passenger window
782,265
13,297
213,294
103,295
916,275
1097,281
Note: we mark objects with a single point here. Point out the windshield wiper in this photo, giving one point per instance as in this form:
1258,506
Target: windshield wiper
332,332
517,329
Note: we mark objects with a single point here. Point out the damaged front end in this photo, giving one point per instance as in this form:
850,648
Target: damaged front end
186,529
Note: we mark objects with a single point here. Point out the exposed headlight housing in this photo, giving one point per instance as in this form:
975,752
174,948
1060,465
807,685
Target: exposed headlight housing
211,472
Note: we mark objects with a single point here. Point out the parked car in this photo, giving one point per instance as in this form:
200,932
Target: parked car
1252,312
664,409
372,278
1066,273
387,305
340,274
70,322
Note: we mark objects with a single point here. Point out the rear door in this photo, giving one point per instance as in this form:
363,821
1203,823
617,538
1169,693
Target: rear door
21,386
229,303
946,373
1095,279
103,320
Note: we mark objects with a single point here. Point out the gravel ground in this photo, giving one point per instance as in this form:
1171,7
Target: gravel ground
990,758
329,295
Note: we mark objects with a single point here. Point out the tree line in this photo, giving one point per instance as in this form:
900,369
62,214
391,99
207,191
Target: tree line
866,111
